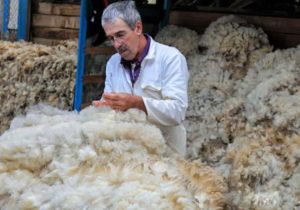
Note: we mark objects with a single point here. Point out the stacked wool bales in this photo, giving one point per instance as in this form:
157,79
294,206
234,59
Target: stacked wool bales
31,73
99,159
243,115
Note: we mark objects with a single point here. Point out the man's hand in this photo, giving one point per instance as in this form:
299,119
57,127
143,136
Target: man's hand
124,101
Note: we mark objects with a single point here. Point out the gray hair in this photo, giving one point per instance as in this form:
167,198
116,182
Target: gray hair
125,10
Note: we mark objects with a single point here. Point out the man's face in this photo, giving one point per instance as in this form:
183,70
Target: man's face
124,39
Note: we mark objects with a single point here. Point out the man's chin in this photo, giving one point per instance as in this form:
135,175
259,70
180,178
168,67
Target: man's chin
126,56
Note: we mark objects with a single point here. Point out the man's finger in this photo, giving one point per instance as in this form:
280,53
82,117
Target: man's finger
111,96
99,103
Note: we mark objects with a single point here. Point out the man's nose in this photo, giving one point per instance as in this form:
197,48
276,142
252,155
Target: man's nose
117,43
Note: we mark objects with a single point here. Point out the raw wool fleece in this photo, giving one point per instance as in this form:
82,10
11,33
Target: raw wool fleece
240,43
99,159
213,117
31,73
184,39
247,127
209,71
272,90
264,170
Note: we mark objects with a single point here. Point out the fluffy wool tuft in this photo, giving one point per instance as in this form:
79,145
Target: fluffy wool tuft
182,38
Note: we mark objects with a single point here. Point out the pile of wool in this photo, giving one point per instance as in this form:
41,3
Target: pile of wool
99,159
265,170
213,114
272,90
184,39
246,124
31,73
239,42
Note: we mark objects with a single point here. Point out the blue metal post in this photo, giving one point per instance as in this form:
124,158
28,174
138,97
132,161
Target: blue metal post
5,18
23,20
81,54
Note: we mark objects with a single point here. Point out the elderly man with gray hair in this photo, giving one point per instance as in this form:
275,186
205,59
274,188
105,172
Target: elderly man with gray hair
145,74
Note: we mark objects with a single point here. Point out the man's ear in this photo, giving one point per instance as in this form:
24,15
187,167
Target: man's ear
139,27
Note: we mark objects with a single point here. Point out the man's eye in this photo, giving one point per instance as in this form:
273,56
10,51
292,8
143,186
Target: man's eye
121,35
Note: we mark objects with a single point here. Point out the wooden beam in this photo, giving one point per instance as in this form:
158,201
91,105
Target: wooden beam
54,33
283,40
275,24
45,41
283,32
58,9
92,79
55,21
199,20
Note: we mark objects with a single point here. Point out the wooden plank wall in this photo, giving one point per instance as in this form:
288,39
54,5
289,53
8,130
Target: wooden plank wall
282,32
52,23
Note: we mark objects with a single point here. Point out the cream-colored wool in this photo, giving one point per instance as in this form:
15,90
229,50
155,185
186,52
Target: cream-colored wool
207,71
233,115
271,64
246,128
98,159
262,164
31,73
182,38
274,93
240,43
212,117
213,186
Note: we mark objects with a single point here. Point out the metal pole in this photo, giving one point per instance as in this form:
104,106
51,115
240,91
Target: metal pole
23,20
81,54
5,19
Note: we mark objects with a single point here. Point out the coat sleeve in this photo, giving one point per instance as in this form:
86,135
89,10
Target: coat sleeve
171,109
108,77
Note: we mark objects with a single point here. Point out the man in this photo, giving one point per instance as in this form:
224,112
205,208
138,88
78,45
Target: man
145,74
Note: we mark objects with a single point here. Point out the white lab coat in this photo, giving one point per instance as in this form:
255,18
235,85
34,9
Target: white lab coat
162,83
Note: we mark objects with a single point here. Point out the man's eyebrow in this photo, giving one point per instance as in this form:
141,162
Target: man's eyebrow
118,32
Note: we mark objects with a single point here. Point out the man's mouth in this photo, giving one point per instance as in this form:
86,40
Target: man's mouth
122,49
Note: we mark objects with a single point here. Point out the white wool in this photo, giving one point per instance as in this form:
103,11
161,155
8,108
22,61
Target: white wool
182,38
212,127
259,100
209,72
87,153
269,65
272,94
242,120
212,35
95,159
240,44
266,201
31,73
239,90
262,162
